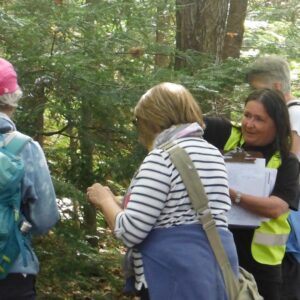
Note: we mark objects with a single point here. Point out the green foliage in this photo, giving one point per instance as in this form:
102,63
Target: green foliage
72,269
63,189
82,66
80,61
92,61
219,88
274,29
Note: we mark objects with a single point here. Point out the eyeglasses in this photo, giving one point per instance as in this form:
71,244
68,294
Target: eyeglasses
135,121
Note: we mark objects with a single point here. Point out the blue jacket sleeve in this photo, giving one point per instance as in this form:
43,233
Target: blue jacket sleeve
38,196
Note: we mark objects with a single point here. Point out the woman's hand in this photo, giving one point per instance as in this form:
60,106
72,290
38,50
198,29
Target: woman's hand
103,198
233,195
98,195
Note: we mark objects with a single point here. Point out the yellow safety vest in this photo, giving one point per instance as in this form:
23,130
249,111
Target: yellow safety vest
269,240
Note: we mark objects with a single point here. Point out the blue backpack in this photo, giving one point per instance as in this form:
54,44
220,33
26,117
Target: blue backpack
12,241
293,242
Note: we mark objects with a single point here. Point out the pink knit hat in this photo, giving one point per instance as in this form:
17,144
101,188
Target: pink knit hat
8,77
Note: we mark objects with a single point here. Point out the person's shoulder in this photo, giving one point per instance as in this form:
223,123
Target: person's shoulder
293,105
33,146
216,120
32,151
217,131
217,124
291,161
156,154
194,142
292,157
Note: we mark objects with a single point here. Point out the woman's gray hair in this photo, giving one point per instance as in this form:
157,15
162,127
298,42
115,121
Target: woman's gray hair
11,99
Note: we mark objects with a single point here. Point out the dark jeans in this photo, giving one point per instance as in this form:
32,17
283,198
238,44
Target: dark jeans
268,289
144,295
17,287
290,289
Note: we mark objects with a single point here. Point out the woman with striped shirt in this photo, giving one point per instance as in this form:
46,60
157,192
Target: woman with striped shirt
172,258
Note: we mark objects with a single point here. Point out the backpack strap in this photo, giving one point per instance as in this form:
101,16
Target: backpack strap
15,141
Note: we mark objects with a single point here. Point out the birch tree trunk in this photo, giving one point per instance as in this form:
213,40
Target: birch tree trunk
235,28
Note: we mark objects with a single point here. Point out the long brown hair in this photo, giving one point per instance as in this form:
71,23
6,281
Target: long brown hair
274,104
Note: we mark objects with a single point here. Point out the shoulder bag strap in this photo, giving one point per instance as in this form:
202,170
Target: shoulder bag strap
194,186
15,141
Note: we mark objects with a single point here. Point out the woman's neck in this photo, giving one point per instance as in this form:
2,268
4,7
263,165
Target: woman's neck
267,151
8,110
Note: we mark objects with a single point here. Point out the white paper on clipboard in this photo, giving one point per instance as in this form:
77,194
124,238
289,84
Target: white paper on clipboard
253,179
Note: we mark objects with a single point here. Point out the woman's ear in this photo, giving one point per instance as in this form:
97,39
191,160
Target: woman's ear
277,86
147,133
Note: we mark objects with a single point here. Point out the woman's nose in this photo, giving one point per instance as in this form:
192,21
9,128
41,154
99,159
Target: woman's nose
249,122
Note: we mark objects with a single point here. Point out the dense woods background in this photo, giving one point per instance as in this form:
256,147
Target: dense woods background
83,65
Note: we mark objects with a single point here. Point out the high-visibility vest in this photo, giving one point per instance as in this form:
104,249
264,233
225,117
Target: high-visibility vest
269,240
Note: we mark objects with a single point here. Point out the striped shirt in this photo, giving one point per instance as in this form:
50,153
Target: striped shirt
159,199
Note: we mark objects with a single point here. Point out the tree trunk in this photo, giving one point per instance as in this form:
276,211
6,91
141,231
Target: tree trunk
200,26
235,28
163,19
86,171
38,107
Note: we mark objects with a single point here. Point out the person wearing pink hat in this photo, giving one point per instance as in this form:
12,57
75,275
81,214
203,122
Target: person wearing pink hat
10,92
38,200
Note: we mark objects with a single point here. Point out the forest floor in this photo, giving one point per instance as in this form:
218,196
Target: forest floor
73,270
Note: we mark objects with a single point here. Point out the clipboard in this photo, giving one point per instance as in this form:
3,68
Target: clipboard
241,156
248,174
